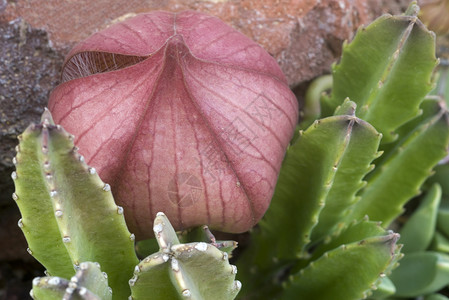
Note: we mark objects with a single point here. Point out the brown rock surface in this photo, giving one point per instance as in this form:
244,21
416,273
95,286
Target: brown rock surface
304,36
29,69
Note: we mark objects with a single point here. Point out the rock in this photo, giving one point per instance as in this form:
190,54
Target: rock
29,70
304,36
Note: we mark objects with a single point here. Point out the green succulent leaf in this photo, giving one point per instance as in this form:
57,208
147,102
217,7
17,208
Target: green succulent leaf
323,168
417,232
354,232
93,279
429,108
51,288
442,78
32,196
386,70
398,177
354,163
78,205
440,243
421,273
348,107
347,272
441,176
436,297
443,217
183,271
313,102
89,283
384,289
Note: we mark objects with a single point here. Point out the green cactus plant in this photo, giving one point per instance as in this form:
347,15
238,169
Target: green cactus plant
345,179
89,283
328,180
69,191
69,218
187,266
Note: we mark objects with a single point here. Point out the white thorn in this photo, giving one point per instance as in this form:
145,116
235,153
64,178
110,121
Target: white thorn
84,266
73,285
234,269
133,280
174,265
237,285
186,293
54,281
69,290
201,246
82,291
157,228
36,281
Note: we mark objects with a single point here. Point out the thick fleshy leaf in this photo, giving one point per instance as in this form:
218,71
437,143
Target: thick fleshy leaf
312,196
384,289
387,71
32,196
347,272
313,186
421,273
440,243
89,283
181,114
69,214
183,271
399,176
436,297
417,232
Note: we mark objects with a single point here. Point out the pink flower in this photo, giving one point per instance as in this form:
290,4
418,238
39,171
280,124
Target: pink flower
179,113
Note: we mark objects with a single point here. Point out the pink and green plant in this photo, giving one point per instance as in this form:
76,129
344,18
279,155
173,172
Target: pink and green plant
154,101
